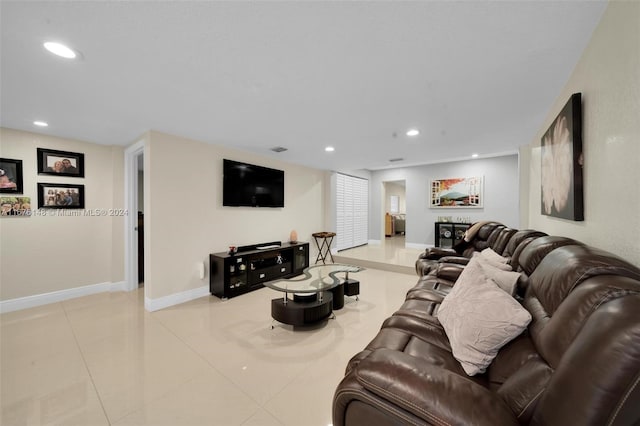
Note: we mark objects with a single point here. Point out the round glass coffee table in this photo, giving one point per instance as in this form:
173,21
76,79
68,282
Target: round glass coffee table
311,300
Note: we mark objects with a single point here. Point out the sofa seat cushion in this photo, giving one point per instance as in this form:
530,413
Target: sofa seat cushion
425,340
434,395
448,271
425,310
479,318
428,285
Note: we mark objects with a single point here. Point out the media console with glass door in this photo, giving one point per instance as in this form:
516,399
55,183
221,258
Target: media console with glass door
235,274
448,234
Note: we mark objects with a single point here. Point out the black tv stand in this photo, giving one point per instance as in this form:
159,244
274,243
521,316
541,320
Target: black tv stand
253,247
235,274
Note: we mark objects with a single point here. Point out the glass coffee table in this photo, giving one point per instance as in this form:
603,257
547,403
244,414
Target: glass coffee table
311,299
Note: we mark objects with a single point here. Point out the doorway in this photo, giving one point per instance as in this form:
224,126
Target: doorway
140,225
134,221
394,204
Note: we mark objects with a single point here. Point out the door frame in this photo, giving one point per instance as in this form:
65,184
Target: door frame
131,155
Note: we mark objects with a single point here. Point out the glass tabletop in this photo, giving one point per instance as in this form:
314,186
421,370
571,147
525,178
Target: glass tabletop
314,279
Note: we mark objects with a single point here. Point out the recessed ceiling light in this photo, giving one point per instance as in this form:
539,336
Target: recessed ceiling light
413,132
474,155
60,49
40,123
329,149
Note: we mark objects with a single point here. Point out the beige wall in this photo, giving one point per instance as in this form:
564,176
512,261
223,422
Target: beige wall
608,76
185,218
43,254
183,189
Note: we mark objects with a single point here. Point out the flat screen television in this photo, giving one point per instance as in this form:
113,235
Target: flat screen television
248,185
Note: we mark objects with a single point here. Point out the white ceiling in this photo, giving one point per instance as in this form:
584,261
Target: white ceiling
473,76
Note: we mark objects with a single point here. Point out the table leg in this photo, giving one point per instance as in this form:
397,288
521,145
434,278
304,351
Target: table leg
324,249
329,249
319,256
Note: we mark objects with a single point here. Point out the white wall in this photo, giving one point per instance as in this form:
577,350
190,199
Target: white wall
501,199
185,218
53,253
608,76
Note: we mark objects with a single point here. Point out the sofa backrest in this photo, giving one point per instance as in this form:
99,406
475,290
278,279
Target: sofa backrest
579,362
500,238
481,239
519,240
532,254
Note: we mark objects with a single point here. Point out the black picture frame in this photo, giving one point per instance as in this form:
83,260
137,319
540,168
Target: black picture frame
60,196
561,164
10,176
52,162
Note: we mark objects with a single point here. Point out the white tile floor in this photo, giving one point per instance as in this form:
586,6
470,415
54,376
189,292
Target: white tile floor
104,360
391,251
390,255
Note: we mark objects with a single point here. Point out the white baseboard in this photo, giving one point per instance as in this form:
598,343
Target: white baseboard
175,299
71,293
377,242
58,296
121,286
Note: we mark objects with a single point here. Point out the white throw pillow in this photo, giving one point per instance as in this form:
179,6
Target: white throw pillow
506,280
479,319
492,262
493,257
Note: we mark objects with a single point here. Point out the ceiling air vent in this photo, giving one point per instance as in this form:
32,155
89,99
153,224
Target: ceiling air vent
395,160
279,149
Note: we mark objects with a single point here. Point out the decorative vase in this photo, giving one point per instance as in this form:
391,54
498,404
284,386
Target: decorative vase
293,237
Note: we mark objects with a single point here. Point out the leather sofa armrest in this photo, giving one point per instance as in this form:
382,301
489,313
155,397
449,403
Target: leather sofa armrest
397,385
435,253
448,271
458,260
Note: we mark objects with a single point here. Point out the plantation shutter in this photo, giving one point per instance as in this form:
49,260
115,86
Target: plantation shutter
352,211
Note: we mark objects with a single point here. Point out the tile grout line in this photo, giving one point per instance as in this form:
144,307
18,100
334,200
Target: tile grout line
86,366
213,367
127,413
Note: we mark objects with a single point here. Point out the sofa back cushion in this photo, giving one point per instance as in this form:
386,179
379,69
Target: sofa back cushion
534,252
480,240
584,305
518,238
498,240
519,375
595,381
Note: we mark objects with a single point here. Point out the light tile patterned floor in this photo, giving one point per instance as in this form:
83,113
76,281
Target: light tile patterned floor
104,360
391,251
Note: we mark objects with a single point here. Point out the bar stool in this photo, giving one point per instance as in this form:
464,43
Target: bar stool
323,242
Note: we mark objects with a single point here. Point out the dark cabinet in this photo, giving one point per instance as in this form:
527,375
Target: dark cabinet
246,270
448,234
300,258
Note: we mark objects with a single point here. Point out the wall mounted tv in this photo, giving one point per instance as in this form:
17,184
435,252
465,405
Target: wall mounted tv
248,185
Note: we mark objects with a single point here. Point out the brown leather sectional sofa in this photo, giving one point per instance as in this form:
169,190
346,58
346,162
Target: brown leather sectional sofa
577,362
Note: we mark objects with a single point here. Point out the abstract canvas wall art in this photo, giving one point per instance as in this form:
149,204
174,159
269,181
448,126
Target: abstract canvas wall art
562,161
